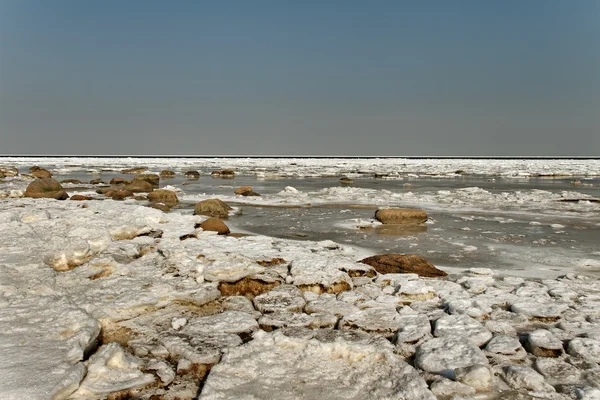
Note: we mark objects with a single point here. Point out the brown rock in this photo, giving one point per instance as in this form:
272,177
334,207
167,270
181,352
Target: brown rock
165,173
75,181
139,186
41,173
46,188
192,174
346,181
224,173
403,264
152,179
80,197
243,189
119,181
215,225
97,182
160,206
121,194
136,170
212,208
9,171
167,197
400,216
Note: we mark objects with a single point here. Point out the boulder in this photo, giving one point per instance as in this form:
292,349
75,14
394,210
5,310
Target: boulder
246,191
403,264
119,194
346,181
80,197
40,172
215,225
46,188
165,173
160,206
212,208
97,182
192,174
400,216
152,179
119,181
167,197
139,186
136,170
224,173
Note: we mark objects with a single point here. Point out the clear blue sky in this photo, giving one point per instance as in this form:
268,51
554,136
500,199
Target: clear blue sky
408,78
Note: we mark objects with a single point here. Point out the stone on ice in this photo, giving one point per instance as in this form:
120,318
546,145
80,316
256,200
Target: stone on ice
444,354
272,365
463,326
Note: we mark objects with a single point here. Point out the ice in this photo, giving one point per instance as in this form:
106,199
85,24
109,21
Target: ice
110,370
382,320
462,326
524,377
585,348
443,355
543,343
506,346
272,365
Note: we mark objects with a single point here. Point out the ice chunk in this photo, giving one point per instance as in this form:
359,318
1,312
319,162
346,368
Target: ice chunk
463,326
444,354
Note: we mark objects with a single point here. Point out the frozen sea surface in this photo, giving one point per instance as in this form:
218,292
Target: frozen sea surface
152,307
522,216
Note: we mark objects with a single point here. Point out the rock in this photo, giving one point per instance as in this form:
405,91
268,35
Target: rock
119,181
167,197
246,191
212,208
346,181
329,364
80,197
40,172
9,171
160,206
73,181
136,170
165,173
478,377
523,377
97,182
460,325
224,173
241,190
445,354
215,225
192,174
403,263
46,188
543,343
152,179
118,194
400,216
140,186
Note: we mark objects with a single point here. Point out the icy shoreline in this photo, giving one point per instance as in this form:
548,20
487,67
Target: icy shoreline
144,312
302,167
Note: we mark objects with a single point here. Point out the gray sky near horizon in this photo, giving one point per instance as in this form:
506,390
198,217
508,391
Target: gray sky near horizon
388,78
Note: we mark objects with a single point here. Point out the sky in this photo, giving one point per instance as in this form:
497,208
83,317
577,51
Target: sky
311,77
